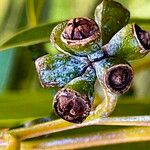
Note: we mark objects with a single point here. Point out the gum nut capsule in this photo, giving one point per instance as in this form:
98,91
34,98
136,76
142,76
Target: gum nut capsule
77,36
74,102
130,43
58,70
114,74
110,16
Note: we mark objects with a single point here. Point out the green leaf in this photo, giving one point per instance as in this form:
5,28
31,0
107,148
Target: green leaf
31,36
140,21
17,108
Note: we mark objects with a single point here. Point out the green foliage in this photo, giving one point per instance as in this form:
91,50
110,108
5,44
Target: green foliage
32,36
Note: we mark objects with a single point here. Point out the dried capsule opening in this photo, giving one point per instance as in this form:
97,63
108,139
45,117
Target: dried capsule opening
71,106
143,37
118,78
80,31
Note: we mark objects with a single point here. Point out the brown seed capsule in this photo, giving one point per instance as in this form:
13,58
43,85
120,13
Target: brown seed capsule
80,31
118,78
114,74
71,105
143,36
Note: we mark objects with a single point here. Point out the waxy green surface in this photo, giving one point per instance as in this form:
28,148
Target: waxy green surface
84,84
55,38
125,44
111,16
60,69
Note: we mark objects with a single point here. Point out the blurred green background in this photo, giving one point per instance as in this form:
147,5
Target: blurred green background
21,96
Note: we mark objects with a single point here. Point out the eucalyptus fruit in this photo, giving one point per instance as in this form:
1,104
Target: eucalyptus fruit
114,74
92,49
74,102
110,16
78,36
130,43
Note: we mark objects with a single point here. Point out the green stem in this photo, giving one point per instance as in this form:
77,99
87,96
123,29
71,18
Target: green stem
43,129
61,125
106,107
100,138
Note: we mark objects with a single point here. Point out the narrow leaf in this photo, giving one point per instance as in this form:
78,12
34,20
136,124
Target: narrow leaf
17,108
31,36
140,21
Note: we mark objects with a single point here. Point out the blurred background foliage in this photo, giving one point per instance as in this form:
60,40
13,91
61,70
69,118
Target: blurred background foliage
21,96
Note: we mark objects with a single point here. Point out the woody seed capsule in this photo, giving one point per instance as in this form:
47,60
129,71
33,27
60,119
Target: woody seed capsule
114,74
74,102
71,106
80,31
